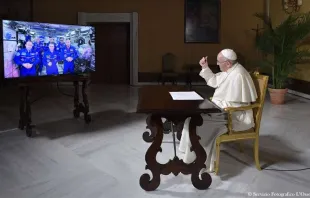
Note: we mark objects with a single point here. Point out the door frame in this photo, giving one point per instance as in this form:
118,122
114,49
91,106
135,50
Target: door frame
84,18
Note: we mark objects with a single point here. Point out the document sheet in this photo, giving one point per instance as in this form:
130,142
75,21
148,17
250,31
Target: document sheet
185,95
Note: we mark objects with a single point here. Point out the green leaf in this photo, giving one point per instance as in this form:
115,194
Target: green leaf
284,45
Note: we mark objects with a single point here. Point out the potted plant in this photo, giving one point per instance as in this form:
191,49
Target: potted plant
283,48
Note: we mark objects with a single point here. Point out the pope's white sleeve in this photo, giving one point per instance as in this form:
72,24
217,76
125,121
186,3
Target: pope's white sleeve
213,80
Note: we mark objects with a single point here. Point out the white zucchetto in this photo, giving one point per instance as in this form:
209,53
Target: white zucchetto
229,54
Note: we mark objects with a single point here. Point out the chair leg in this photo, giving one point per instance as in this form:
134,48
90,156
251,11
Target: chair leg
217,160
256,153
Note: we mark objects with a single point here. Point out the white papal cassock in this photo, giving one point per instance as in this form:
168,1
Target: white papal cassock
234,88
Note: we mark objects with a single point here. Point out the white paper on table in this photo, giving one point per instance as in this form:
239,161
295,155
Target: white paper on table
185,95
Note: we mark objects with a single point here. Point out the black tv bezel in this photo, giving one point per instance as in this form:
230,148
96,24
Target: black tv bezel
53,78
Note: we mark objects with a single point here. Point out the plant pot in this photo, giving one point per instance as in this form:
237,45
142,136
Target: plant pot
277,96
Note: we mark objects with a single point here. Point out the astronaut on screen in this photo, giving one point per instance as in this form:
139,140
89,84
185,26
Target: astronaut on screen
27,60
68,55
50,59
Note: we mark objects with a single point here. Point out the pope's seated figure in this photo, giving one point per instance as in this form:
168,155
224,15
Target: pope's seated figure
234,87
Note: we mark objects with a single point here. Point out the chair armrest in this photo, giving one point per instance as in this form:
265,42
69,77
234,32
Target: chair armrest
244,108
230,110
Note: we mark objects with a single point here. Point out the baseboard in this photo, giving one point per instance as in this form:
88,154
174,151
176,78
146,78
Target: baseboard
299,86
296,93
296,87
178,83
156,77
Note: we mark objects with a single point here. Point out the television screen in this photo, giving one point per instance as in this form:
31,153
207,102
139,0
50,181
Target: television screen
43,49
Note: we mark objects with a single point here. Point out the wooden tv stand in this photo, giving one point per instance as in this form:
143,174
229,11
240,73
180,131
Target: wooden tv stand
25,121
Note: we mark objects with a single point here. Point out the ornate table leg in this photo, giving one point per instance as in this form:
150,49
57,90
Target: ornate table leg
155,124
201,156
175,166
149,137
179,129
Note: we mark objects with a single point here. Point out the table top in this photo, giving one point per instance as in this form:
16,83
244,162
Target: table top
156,99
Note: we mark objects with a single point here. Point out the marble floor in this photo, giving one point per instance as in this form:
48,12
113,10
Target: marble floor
69,159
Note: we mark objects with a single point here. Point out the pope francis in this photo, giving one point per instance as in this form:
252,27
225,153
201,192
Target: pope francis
234,87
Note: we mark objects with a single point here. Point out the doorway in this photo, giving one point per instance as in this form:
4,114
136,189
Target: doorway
112,46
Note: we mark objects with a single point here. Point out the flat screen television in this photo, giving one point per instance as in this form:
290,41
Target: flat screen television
32,49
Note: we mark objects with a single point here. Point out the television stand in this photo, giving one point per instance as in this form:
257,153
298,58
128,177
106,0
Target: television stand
25,120
80,107
25,111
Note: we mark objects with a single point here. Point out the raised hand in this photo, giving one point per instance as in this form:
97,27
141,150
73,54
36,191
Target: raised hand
203,62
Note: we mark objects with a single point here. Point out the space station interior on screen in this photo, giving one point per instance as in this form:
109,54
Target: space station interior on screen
40,49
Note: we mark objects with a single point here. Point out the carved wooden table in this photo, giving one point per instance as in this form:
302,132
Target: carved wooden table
156,102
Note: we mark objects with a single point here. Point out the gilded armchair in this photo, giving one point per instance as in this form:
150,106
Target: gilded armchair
261,82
